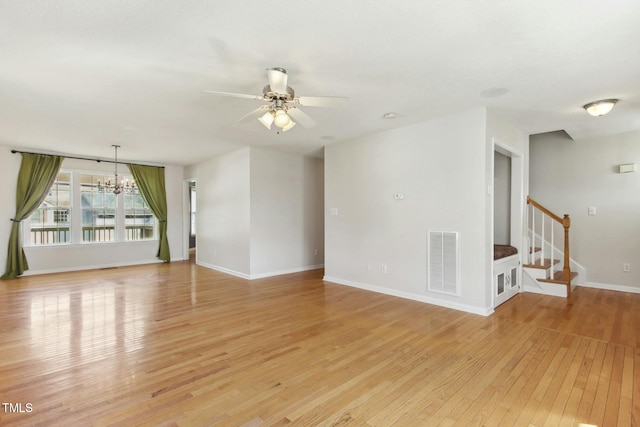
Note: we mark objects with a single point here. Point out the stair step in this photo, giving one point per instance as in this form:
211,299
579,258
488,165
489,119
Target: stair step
543,266
557,278
532,250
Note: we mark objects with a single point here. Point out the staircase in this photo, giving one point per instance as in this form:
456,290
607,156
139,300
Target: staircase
549,264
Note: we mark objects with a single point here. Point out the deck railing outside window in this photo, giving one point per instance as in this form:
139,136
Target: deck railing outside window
56,235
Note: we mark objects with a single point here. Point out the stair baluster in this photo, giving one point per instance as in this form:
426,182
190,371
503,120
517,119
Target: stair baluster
532,250
552,252
542,239
567,275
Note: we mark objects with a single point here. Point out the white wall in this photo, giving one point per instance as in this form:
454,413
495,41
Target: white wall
173,177
260,212
502,199
223,214
287,222
571,176
44,259
441,167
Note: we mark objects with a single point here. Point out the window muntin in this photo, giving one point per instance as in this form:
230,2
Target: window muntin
192,208
50,224
98,210
139,222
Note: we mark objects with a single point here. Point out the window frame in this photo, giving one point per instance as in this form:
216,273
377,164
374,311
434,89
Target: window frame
146,209
26,223
82,210
192,210
75,214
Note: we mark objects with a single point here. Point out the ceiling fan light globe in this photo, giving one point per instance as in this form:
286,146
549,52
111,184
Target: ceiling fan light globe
266,119
282,119
289,126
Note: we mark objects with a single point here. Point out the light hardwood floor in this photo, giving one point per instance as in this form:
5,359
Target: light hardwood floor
180,345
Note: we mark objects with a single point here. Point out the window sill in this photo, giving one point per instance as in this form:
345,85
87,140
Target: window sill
90,244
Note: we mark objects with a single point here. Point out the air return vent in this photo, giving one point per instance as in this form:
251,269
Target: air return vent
443,262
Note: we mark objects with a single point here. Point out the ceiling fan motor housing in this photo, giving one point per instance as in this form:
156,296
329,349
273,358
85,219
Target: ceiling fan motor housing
268,94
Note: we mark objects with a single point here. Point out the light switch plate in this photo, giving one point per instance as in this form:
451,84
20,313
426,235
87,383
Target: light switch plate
629,167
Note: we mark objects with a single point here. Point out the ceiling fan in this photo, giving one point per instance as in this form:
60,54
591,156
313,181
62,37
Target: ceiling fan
282,104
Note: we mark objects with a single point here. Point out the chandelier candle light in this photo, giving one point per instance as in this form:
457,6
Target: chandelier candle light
117,187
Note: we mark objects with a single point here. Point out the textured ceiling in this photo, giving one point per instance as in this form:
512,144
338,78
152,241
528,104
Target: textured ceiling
78,76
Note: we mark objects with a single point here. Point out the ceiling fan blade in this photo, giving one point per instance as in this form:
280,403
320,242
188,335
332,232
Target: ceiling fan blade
235,95
301,117
277,80
322,101
254,114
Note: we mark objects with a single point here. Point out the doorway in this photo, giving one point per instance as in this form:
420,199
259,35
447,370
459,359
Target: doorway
190,223
508,211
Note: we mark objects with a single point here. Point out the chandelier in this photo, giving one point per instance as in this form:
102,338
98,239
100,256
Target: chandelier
116,187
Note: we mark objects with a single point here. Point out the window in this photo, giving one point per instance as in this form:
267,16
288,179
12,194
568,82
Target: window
100,215
50,224
192,208
139,220
98,210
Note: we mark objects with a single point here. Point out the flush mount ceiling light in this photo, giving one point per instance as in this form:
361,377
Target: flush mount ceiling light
600,108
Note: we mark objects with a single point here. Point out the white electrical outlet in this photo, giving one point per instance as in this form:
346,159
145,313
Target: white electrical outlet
626,267
367,267
383,267
398,196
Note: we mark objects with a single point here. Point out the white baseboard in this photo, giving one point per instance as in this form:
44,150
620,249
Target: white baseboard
261,275
89,267
415,297
223,270
608,287
288,271
557,291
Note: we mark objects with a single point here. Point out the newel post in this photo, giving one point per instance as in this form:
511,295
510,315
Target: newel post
566,269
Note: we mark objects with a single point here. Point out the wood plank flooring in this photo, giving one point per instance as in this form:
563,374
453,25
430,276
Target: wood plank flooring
180,345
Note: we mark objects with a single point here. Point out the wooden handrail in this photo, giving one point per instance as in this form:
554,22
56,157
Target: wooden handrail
546,211
566,223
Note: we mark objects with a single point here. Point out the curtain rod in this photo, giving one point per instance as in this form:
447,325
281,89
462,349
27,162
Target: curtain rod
84,158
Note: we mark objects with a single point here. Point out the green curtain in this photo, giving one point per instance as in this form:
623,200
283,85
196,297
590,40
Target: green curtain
36,176
150,181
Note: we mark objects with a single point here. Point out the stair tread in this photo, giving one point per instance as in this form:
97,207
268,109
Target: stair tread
557,278
544,266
